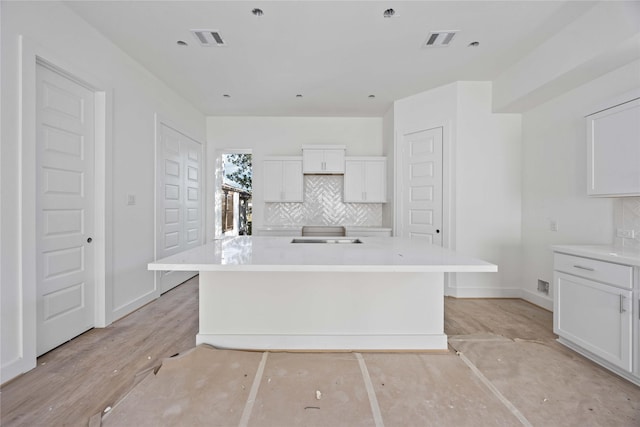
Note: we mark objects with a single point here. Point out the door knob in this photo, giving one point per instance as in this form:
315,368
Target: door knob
437,231
89,240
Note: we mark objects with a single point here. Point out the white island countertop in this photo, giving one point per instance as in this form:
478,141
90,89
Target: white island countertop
374,254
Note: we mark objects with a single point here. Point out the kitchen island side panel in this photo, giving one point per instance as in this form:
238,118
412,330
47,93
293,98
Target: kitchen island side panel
322,310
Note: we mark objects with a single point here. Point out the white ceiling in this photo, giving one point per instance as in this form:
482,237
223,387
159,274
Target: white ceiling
334,53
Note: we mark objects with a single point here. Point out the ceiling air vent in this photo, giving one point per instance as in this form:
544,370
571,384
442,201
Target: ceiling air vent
209,37
439,38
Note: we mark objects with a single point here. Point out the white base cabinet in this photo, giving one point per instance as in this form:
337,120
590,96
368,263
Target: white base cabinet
595,311
596,317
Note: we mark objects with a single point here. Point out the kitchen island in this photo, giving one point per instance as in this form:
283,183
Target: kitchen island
284,293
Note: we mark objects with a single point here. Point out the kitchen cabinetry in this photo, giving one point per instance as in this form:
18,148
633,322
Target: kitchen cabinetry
595,311
323,159
365,180
613,151
283,179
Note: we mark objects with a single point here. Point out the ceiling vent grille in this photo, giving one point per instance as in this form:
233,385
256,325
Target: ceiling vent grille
209,37
439,38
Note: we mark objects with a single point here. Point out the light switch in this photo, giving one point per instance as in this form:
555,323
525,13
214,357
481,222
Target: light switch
131,199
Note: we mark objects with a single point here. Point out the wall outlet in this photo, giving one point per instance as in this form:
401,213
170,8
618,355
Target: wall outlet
543,286
553,225
625,234
131,199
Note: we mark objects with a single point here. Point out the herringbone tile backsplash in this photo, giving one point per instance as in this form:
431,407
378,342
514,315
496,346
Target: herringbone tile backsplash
323,205
628,218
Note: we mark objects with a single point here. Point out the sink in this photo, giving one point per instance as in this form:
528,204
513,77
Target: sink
331,240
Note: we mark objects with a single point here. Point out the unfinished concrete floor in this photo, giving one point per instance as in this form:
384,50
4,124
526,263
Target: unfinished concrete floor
509,371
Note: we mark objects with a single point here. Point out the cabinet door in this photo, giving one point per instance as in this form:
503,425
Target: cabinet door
333,161
375,181
273,179
595,316
354,181
313,161
613,151
292,183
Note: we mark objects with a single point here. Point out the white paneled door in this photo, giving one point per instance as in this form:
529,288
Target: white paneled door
421,185
64,209
179,205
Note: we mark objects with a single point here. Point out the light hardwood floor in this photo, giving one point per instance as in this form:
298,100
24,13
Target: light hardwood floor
509,343
96,369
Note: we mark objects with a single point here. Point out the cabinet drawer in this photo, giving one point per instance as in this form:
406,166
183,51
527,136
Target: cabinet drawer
602,271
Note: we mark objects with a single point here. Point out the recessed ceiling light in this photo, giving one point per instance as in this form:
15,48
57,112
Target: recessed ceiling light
389,13
298,96
226,95
372,96
257,12
181,43
474,44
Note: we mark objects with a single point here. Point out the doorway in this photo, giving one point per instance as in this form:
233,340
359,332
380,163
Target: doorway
236,193
420,186
65,208
179,161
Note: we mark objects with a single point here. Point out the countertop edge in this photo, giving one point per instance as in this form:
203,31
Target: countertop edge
486,268
607,253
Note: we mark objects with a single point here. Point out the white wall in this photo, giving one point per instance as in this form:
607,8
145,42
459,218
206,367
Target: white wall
284,136
134,96
554,177
482,156
487,191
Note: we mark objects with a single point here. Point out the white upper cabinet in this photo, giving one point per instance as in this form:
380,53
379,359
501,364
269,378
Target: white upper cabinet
613,151
323,159
365,180
283,179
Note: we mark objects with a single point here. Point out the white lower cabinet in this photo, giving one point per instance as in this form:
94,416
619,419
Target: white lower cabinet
595,311
595,316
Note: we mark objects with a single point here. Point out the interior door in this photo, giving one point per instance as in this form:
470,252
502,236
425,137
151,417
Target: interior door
64,208
179,213
421,185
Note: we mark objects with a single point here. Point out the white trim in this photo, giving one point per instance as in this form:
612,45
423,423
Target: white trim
483,292
30,53
417,342
537,299
131,306
523,294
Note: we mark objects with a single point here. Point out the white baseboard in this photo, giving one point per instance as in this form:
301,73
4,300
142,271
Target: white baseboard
15,368
325,342
483,292
537,299
132,306
532,297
